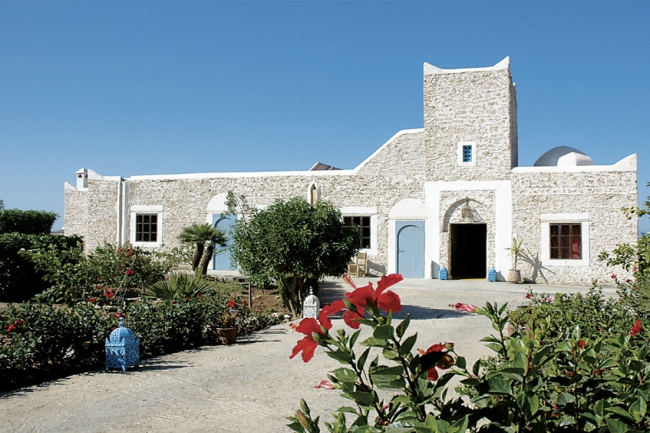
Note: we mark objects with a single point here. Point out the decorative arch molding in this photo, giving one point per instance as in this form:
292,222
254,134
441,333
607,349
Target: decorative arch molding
409,209
475,216
313,193
217,204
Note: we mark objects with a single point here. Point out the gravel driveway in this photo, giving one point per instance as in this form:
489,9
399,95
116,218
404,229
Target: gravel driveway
249,386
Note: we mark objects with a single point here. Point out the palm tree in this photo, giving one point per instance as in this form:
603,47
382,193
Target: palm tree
216,237
204,237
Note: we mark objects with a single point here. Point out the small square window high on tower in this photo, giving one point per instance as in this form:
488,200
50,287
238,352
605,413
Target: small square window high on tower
467,153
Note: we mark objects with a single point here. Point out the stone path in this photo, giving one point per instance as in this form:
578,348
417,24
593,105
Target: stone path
247,387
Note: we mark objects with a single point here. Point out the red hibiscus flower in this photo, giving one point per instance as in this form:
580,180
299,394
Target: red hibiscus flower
529,295
92,300
11,327
200,295
460,306
386,300
308,326
119,268
349,317
187,298
613,276
442,363
246,303
130,272
108,293
581,344
231,303
636,328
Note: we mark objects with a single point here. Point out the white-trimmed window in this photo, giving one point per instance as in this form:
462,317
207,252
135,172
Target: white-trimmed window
467,154
565,239
365,218
146,226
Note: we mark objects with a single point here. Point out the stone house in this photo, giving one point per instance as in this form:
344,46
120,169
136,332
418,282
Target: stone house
449,195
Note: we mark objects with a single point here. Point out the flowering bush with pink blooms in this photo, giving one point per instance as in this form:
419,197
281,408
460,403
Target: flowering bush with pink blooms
546,375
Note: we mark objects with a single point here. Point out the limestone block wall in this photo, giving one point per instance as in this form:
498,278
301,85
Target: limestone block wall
600,194
184,201
393,173
92,212
483,208
403,156
474,106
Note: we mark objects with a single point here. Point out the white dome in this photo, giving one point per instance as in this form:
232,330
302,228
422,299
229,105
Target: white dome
563,156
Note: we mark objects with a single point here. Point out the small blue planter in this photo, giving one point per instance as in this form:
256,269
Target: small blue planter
443,273
492,275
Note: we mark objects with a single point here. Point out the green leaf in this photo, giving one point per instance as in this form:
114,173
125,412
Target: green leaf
363,398
620,411
408,344
384,332
353,339
403,326
499,386
340,356
362,359
563,347
383,370
373,342
390,354
638,409
565,398
616,426
345,375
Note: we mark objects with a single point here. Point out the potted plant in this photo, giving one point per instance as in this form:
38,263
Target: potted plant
227,333
515,250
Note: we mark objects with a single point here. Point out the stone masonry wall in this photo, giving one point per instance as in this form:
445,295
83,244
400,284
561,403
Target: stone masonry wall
393,174
92,213
471,106
600,194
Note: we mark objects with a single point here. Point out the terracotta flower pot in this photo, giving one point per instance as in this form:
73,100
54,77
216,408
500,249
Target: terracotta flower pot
514,276
227,335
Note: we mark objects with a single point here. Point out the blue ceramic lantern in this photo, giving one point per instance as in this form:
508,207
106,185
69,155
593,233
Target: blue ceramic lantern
122,348
492,275
443,273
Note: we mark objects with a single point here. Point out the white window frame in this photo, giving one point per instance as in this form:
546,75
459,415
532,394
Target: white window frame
462,163
568,218
352,211
146,210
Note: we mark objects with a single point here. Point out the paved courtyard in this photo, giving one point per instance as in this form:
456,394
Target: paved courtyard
251,385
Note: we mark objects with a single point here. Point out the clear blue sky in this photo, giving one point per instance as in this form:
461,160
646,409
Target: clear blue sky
128,88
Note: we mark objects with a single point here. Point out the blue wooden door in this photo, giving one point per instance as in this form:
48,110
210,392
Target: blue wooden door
410,248
226,223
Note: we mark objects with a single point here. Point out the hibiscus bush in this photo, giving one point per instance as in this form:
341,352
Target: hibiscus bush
110,269
40,342
543,377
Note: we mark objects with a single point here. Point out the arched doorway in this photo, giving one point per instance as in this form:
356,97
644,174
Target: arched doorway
410,248
226,223
468,250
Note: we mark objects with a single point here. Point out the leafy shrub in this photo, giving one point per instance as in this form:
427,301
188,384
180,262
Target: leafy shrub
180,285
29,222
75,277
545,377
291,244
19,280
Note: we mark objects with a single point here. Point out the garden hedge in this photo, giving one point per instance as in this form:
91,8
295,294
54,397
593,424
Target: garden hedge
18,279
30,222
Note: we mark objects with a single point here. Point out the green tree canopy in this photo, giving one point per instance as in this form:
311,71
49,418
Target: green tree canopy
290,244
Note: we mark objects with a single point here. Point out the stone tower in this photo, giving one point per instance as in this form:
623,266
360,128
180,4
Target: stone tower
470,123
